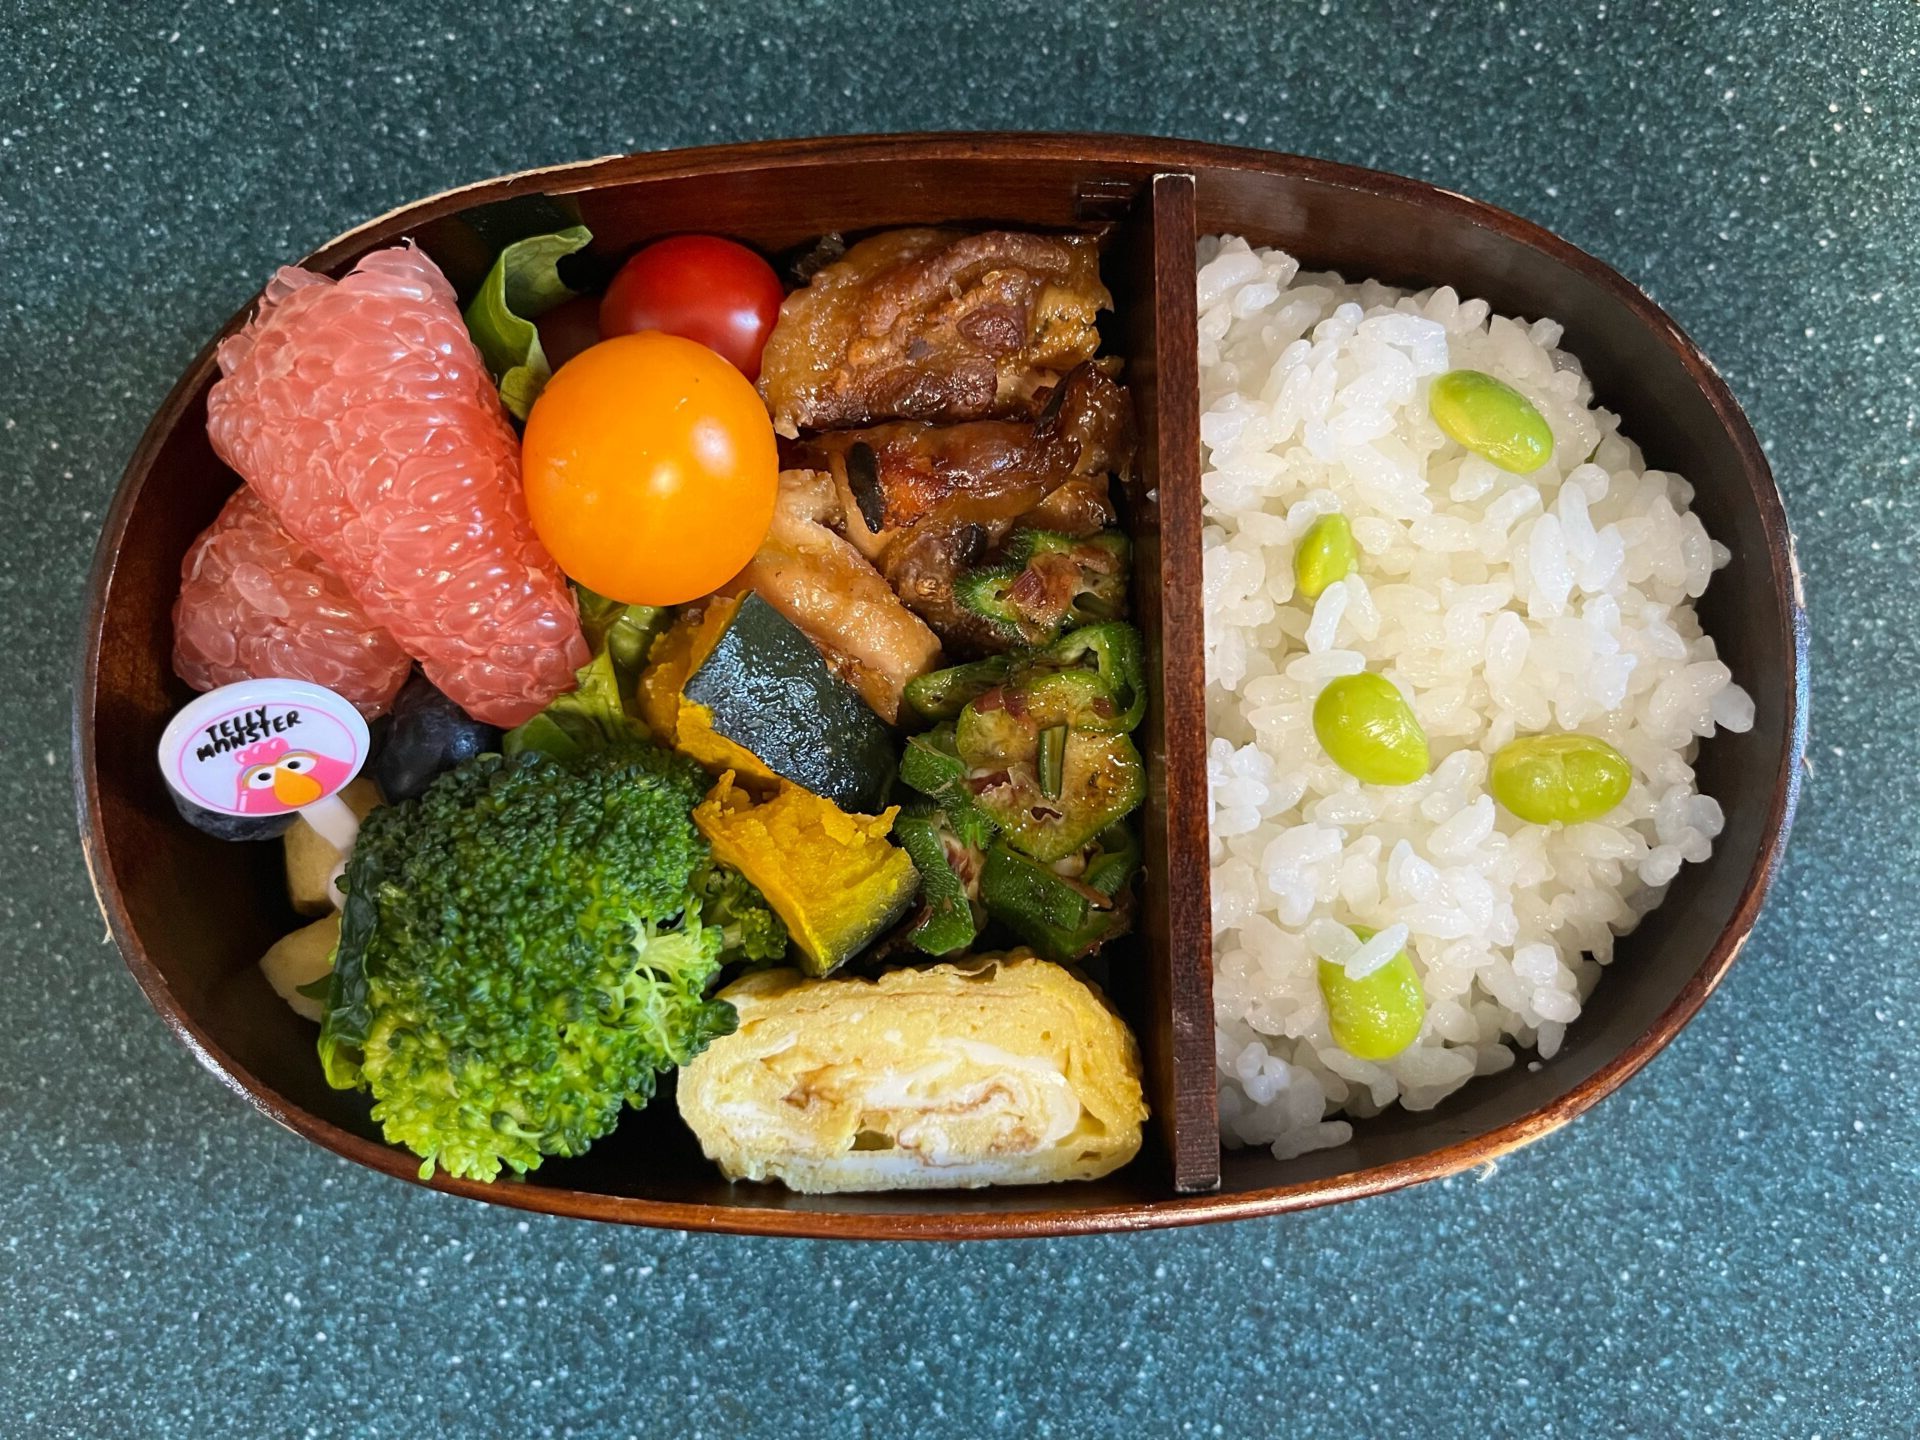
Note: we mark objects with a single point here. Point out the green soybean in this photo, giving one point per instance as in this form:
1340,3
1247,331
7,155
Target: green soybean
1378,1017
1370,731
1325,554
1564,779
1492,419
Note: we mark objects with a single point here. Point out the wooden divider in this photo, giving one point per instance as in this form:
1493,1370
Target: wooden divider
1161,341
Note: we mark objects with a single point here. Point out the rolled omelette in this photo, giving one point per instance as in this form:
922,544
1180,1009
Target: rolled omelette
996,1070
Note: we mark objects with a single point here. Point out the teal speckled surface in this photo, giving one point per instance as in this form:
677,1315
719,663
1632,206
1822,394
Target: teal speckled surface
1726,1247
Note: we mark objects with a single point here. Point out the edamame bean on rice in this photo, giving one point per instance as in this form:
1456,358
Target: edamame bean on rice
1503,605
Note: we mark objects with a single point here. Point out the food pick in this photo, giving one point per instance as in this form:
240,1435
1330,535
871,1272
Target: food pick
269,747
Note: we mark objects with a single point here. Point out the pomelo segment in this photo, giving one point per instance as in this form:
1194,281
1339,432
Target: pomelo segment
254,603
363,414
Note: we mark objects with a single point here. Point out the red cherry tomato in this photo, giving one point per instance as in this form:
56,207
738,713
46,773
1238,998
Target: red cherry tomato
700,287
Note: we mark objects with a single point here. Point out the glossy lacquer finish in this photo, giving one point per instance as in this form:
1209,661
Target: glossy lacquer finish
192,915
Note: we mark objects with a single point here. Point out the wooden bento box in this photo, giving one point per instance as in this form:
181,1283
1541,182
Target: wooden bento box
191,914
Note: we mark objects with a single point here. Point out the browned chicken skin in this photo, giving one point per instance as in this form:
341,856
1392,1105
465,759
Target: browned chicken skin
933,325
823,585
923,502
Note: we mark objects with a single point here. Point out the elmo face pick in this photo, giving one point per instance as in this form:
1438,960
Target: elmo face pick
276,778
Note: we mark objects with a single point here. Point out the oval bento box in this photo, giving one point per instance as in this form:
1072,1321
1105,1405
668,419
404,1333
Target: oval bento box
192,915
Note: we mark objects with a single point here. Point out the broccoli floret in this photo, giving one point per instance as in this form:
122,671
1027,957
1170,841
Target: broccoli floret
749,930
521,952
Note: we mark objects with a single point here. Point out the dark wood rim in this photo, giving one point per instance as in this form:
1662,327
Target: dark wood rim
1148,154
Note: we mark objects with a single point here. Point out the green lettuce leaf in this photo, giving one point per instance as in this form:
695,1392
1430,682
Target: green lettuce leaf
523,284
599,712
625,631
592,717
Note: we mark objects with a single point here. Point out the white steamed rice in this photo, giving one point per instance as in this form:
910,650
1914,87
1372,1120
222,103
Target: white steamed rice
1500,605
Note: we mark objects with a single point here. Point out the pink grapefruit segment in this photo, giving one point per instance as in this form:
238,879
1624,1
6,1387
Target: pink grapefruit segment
256,603
363,414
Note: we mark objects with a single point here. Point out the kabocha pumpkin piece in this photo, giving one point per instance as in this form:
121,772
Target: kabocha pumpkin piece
768,692
831,877
670,660
741,688
662,701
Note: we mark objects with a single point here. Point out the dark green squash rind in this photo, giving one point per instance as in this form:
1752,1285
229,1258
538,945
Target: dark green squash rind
770,693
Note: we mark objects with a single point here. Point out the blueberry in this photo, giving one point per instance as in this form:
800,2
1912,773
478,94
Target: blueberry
426,734
231,827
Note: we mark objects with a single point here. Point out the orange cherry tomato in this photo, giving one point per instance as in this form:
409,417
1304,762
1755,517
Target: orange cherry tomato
650,468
